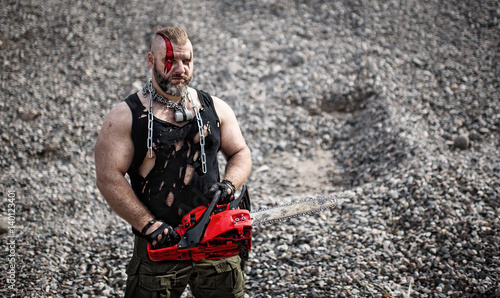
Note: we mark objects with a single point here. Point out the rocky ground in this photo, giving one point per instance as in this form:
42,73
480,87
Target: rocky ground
392,106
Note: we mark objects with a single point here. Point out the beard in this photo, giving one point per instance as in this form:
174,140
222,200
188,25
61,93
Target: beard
166,85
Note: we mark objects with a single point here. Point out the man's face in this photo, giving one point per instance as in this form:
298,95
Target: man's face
173,69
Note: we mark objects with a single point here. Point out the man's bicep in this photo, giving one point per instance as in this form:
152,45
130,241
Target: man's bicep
232,140
114,147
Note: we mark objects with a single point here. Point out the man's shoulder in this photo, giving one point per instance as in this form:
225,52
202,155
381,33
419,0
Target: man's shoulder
200,93
221,107
121,112
134,101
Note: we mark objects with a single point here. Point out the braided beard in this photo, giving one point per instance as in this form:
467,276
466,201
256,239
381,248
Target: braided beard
166,85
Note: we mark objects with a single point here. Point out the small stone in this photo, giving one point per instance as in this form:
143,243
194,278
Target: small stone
461,142
347,279
420,263
417,62
27,115
297,59
4,226
315,271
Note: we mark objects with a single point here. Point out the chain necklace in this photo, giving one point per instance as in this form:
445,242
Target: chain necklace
148,87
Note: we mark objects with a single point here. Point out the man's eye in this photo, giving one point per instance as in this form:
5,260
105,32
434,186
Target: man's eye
169,59
186,61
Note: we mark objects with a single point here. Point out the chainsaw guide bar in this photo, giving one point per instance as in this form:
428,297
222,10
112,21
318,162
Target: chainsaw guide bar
293,209
222,231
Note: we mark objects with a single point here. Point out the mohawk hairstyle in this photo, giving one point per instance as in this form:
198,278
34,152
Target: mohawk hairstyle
174,34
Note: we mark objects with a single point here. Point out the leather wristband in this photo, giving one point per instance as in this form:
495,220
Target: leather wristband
230,184
147,226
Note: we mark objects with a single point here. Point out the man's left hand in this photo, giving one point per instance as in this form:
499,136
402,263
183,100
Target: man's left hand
227,191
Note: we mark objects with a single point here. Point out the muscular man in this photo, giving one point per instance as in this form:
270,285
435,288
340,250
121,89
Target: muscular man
166,138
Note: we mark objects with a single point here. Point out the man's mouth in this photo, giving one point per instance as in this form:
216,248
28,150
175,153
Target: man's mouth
179,78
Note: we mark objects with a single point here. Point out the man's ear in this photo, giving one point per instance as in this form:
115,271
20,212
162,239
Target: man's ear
151,60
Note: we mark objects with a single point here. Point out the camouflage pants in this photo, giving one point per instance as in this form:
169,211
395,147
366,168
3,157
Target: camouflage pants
206,278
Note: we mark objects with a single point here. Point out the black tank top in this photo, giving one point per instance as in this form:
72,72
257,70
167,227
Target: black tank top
176,184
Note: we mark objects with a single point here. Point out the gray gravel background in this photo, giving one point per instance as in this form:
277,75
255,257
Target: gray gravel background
393,106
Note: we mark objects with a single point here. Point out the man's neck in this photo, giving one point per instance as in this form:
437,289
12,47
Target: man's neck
175,99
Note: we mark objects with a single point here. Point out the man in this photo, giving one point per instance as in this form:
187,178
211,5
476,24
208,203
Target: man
166,138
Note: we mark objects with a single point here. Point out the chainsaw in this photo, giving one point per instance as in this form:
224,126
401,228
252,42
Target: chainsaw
222,231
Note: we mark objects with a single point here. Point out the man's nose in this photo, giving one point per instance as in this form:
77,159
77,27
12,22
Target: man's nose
178,67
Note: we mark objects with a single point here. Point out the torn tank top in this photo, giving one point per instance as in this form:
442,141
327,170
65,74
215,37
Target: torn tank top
176,183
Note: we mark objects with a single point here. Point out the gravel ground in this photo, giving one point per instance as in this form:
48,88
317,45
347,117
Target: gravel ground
393,106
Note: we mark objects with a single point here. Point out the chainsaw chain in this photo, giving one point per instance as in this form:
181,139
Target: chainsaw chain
317,199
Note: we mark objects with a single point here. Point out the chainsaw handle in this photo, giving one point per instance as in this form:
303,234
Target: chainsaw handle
193,236
243,196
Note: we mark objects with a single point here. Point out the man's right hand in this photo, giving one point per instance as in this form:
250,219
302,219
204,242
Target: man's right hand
161,235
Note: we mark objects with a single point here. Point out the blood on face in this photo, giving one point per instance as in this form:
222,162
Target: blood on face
169,56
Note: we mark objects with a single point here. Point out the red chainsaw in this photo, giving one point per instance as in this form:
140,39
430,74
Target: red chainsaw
221,231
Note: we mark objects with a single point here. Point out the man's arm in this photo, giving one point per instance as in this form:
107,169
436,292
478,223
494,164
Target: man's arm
114,151
233,145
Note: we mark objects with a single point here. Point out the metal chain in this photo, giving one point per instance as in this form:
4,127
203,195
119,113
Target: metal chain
150,126
202,135
199,121
148,87
319,201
